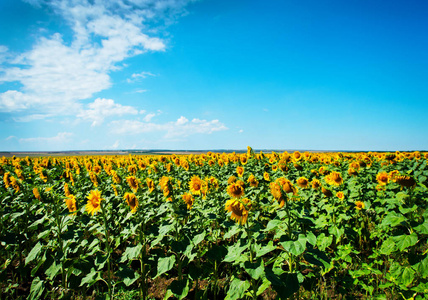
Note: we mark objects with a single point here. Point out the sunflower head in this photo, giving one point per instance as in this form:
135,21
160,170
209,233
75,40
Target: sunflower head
359,205
303,182
239,209
382,178
340,195
253,181
316,184
133,183
240,170
236,189
132,201
94,202
188,199
195,185
70,201
266,176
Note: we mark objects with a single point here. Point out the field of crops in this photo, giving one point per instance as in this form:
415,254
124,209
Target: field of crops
214,226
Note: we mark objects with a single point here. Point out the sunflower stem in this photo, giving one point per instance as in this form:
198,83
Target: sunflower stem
109,284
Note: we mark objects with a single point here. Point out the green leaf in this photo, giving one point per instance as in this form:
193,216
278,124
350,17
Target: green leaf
404,241
393,219
423,267
237,289
53,270
179,288
324,241
407,276
295,247
273,224
33,253
234,252
423,228
312,239
127,275
131,253
256,269
37,288
260,251
234,230
165,264
90,278
285,284
388,246
199,238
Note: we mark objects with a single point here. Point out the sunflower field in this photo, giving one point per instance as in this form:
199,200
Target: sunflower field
215,226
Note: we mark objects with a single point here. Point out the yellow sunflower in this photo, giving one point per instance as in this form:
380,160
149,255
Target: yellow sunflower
334,178
253,181
150,184
70,201
266,176
240,170
303,182
359,205
36,194
236,189
340,195
133,182
316,184
382,178
94,202
195,185
132,201
188,199
239,209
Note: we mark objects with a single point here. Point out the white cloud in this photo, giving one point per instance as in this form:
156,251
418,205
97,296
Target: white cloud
241,131
137,76
29,118
56,75
102,108
60,138
148,117
141,91
180,128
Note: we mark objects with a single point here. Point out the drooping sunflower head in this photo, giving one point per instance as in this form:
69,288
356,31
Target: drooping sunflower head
240,171
334,178
132,201
253,181
94,202
275,190
188,199
405,181
133,183
70,201
239,209
231,179
303,182
150,184
36,194
326,192
316,184
382,178
236,189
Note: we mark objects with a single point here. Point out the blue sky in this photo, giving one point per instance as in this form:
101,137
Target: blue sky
213,74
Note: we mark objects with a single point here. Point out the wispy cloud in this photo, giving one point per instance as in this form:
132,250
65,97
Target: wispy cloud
138,76
102,108
180,128
56,74
60,138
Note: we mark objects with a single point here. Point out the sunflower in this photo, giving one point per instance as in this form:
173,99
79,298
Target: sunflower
239,209
340,195
253,181
188,199
36,194
326,192
286,185
405,181
240,170
266,176
297,156
115,176
150,184
236,189
359,205
275,190
232,179
94,202
132,201
14,182
195,185
382,178
114,189
6,179
93,178
133,183
70,201
334,178
303,182
316,184
66,190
